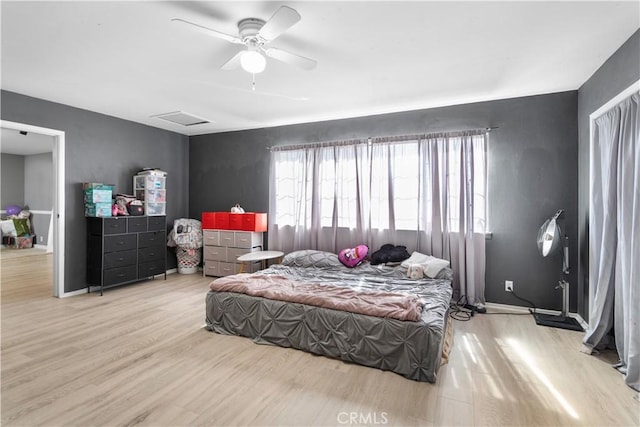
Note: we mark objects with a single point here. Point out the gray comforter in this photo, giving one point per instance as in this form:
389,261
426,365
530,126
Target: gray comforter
411,349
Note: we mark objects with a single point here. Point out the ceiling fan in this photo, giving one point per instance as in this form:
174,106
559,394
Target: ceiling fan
255,34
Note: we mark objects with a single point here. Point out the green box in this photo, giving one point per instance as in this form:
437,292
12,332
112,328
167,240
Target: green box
96,192
92,195
97,209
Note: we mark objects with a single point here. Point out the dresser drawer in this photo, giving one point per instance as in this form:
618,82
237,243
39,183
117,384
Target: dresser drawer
157,223
120,275
153,253
151,238
114,225
215,253
149,269
119,242
211,238
234,253
247,239
120,258
136,224
227,238
228,268
211,268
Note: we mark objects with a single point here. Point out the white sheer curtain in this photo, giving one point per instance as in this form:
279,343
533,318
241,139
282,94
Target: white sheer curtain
614,229
427,192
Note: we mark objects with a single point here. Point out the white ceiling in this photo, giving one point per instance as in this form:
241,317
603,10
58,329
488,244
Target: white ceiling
128,60
14,142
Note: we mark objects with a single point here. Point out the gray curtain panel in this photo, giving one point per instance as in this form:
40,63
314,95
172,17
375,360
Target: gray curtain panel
614,236
426,192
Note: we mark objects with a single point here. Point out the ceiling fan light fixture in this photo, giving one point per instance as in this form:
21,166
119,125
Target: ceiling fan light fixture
253,62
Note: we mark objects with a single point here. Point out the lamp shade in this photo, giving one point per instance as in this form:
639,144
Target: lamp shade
549,237
253,62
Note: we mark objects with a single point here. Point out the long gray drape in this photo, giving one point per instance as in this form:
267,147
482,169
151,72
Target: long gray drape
614,236
425,192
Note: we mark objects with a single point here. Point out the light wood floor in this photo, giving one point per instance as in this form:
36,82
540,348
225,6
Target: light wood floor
139,356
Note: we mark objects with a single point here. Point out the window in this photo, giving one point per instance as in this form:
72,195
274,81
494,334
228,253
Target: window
397,185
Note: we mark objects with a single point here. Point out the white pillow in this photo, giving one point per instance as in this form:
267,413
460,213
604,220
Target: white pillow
415,258
434,266
430,264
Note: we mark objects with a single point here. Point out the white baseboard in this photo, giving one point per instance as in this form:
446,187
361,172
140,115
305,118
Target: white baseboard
38,246
520,309
73,293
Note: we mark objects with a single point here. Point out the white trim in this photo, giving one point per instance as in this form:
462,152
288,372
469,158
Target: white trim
74,293
37,246
50,235
519,310
58,199
37,212
634,87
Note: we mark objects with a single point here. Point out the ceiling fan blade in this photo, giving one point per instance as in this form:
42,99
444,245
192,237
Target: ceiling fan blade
291,58
208,31
233,63
281,21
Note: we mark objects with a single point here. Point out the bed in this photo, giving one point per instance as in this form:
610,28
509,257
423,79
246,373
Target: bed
410,348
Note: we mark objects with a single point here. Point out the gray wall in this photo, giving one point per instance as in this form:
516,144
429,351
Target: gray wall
38,192
532,173
12,180
105,149
618,73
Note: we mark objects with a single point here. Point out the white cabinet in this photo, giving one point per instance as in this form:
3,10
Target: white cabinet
149,187
223,247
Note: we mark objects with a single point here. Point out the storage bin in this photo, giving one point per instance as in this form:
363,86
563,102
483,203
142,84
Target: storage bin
155,209
19,242
156,196
97,209
221,220
149,182
208,220
254,221
249,221
235,221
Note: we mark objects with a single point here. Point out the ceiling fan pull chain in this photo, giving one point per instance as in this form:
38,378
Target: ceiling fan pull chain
253,83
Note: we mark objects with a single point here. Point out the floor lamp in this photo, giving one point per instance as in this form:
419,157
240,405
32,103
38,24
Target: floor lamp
550,240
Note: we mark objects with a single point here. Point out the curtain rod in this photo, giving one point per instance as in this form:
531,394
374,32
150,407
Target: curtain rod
379,139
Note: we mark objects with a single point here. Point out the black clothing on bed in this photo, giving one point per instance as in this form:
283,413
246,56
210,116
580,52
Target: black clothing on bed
389,253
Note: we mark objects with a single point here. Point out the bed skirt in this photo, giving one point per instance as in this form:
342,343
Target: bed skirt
411,349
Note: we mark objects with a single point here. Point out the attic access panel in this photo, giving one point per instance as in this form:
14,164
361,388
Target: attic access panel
182,118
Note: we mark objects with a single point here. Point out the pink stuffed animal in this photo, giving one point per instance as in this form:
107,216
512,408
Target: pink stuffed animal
351,257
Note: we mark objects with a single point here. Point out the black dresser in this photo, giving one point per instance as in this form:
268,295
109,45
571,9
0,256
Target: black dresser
125,249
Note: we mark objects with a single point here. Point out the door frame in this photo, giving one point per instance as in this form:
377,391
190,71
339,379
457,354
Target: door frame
58,199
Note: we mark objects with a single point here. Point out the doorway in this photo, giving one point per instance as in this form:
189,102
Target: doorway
57,222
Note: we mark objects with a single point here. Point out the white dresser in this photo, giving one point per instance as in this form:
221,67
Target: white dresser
223,247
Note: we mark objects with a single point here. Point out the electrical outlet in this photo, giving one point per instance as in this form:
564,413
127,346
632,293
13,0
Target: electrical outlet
41,239
508,285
